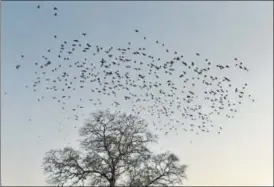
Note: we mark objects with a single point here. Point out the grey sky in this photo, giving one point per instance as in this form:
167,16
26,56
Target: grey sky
219,31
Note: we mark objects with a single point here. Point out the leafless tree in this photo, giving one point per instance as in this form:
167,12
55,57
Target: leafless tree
114,153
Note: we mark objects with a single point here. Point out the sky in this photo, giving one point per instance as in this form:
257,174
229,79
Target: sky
241,155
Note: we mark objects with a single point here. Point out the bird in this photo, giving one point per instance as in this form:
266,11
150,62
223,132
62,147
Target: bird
118,72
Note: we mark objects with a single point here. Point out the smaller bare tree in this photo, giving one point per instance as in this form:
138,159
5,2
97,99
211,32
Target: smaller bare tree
114,153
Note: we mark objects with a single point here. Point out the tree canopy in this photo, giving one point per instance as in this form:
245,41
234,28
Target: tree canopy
113,152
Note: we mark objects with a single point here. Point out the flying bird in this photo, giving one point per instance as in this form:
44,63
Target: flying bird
133,75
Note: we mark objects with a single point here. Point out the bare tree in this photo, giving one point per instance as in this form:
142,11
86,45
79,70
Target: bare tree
114,153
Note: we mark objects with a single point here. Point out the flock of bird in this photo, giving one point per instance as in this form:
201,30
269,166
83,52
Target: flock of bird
176,93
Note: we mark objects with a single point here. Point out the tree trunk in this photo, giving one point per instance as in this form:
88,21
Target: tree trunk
112,182
113,178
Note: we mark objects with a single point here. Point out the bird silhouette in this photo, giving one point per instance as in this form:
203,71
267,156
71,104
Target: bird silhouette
132,75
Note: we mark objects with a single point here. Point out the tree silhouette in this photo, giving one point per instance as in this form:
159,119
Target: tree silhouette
114,153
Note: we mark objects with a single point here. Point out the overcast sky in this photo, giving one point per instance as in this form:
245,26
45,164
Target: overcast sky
219,31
